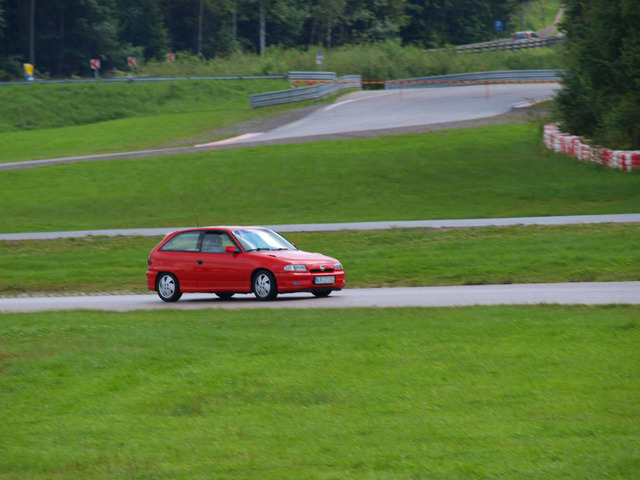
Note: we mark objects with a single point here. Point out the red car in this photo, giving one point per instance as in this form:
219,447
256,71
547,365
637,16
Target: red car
524,36
230,260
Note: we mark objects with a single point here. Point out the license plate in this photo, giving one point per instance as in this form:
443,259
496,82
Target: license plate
324,280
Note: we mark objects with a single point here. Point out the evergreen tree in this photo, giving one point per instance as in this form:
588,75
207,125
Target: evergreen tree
600,98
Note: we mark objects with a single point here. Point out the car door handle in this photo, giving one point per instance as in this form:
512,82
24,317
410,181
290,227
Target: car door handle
200,262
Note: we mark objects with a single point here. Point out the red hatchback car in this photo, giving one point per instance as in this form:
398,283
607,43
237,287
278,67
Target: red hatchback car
230,260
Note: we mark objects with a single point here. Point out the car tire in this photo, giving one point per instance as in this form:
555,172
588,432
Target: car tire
168,287
264,285
321,293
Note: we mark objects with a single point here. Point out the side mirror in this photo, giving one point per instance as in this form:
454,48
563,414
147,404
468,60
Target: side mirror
231,249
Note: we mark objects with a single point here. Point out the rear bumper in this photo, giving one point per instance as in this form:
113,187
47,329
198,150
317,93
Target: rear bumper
151,280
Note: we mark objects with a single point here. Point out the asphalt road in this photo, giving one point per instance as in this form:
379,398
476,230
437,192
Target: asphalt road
333,227
458,296
374,110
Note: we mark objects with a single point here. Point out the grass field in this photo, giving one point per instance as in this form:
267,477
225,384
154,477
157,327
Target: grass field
371,259
467,393
493,171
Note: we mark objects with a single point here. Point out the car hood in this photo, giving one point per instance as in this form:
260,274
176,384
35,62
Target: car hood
298,256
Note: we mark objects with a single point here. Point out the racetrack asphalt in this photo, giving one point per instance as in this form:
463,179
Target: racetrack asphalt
328,227
595,293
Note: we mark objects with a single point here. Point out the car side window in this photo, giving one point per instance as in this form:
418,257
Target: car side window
183,242
215,242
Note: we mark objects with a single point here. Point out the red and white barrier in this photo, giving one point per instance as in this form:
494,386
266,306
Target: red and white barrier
579,148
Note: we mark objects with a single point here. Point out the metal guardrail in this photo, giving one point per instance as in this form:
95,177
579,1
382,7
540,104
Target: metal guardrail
350,81
326,88
508,45
293,95
462,79
311,76
146,79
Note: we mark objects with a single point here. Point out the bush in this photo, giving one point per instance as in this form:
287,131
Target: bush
386,60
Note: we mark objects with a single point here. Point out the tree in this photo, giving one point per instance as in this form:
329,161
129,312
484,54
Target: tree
141,24
600,98
373,20
325,15
436,23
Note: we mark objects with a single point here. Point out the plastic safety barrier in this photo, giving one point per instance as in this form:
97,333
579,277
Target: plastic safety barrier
580,148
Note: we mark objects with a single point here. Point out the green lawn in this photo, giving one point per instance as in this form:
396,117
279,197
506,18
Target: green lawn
384,258
493,171
465,393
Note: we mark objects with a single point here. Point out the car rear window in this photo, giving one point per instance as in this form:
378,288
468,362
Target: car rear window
183,242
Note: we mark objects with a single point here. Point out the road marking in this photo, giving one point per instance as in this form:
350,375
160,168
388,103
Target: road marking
228,141
339,104
372,96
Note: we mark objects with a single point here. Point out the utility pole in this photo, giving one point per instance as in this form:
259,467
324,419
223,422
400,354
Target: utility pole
32,33
201,14
234,42
263,29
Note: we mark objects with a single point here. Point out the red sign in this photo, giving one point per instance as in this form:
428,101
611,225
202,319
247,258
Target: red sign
95,64
171,57
131,61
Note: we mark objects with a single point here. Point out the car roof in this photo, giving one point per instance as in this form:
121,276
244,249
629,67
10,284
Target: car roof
220,227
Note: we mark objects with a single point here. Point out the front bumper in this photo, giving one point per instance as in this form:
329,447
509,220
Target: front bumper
305,281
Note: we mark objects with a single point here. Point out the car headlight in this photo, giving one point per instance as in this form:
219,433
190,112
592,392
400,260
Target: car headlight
337,266
296,268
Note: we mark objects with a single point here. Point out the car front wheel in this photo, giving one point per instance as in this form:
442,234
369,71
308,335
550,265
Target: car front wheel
264,285
168,287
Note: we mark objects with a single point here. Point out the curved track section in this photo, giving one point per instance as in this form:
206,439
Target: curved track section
391,109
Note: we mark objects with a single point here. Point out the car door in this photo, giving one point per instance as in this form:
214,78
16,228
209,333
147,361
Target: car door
215,269
179,256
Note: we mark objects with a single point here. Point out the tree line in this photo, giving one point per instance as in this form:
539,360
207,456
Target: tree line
60,36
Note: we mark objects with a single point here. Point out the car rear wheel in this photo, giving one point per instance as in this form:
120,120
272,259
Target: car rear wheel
264,285
168,287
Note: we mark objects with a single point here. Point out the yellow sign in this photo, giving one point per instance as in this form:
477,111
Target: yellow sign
28,69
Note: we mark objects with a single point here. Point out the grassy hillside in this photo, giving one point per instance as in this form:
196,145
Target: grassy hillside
29,107
494,171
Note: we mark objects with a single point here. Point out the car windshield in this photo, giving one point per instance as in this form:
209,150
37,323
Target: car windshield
259,239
